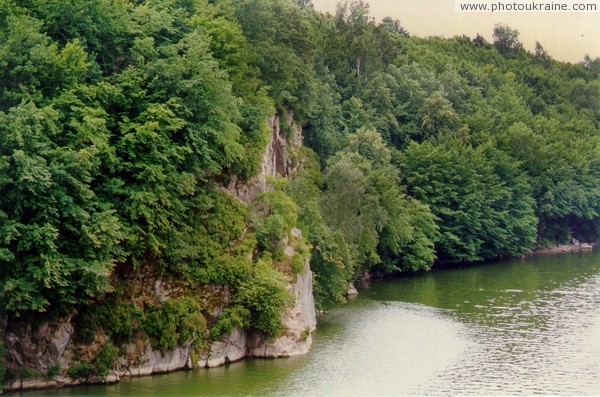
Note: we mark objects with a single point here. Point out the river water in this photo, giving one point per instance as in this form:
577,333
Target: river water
518,327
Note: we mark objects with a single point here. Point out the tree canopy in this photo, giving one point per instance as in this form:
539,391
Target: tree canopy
121,122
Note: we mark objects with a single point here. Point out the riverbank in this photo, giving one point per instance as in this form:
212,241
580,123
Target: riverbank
564,248
442,331
224,354
41,347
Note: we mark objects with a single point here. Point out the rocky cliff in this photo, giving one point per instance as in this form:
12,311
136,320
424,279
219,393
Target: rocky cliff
278,159
47,346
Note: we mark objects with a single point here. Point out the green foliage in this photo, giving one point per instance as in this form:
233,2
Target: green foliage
334,263
121,121
269,231
230,319
297,263
174,323
366,52
276,215
468,90
349,205
80,370
366,204
263,293
407,242
479,217
28,373
282,51
59,238
215,249
105,27
305,334
119,320
53,371
105,359
506,40
332,260
101,365
111,120
168,325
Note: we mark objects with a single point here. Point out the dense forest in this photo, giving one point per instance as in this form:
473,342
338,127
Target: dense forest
121,121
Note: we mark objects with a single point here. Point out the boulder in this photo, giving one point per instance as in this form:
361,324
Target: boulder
154,361
38,347
351,290
232,348
60,381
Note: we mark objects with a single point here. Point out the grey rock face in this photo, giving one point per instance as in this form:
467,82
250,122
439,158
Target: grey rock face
39,347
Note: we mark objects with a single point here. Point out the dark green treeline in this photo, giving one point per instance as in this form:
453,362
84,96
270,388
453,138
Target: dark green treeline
121,119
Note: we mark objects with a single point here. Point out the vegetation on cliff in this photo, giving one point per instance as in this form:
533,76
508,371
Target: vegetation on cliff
121,120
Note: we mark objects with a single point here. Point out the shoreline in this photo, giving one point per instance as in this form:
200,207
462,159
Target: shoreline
60,381
563,248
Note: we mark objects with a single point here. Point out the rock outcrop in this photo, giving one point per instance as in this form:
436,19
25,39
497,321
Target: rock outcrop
232,348
59,381
352,291
39,347
575,246
153,361
299,322
277,160
42,347
47,345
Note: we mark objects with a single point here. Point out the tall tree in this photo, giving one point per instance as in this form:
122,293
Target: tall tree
506,40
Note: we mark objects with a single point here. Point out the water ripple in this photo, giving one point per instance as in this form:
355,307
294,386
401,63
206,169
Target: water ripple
545,343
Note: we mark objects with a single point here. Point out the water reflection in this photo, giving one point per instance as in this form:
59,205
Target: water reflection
384,349
534,324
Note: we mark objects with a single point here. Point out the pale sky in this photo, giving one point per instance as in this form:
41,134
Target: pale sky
567,36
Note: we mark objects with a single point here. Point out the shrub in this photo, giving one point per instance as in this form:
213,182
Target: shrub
230,319
297,263
269,231
263,293
174,323
276,214
53,371
105,359
81,370
28,373
305,334
118,320
101,364
217,222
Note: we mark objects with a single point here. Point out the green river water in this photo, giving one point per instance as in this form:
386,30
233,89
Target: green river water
518,327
